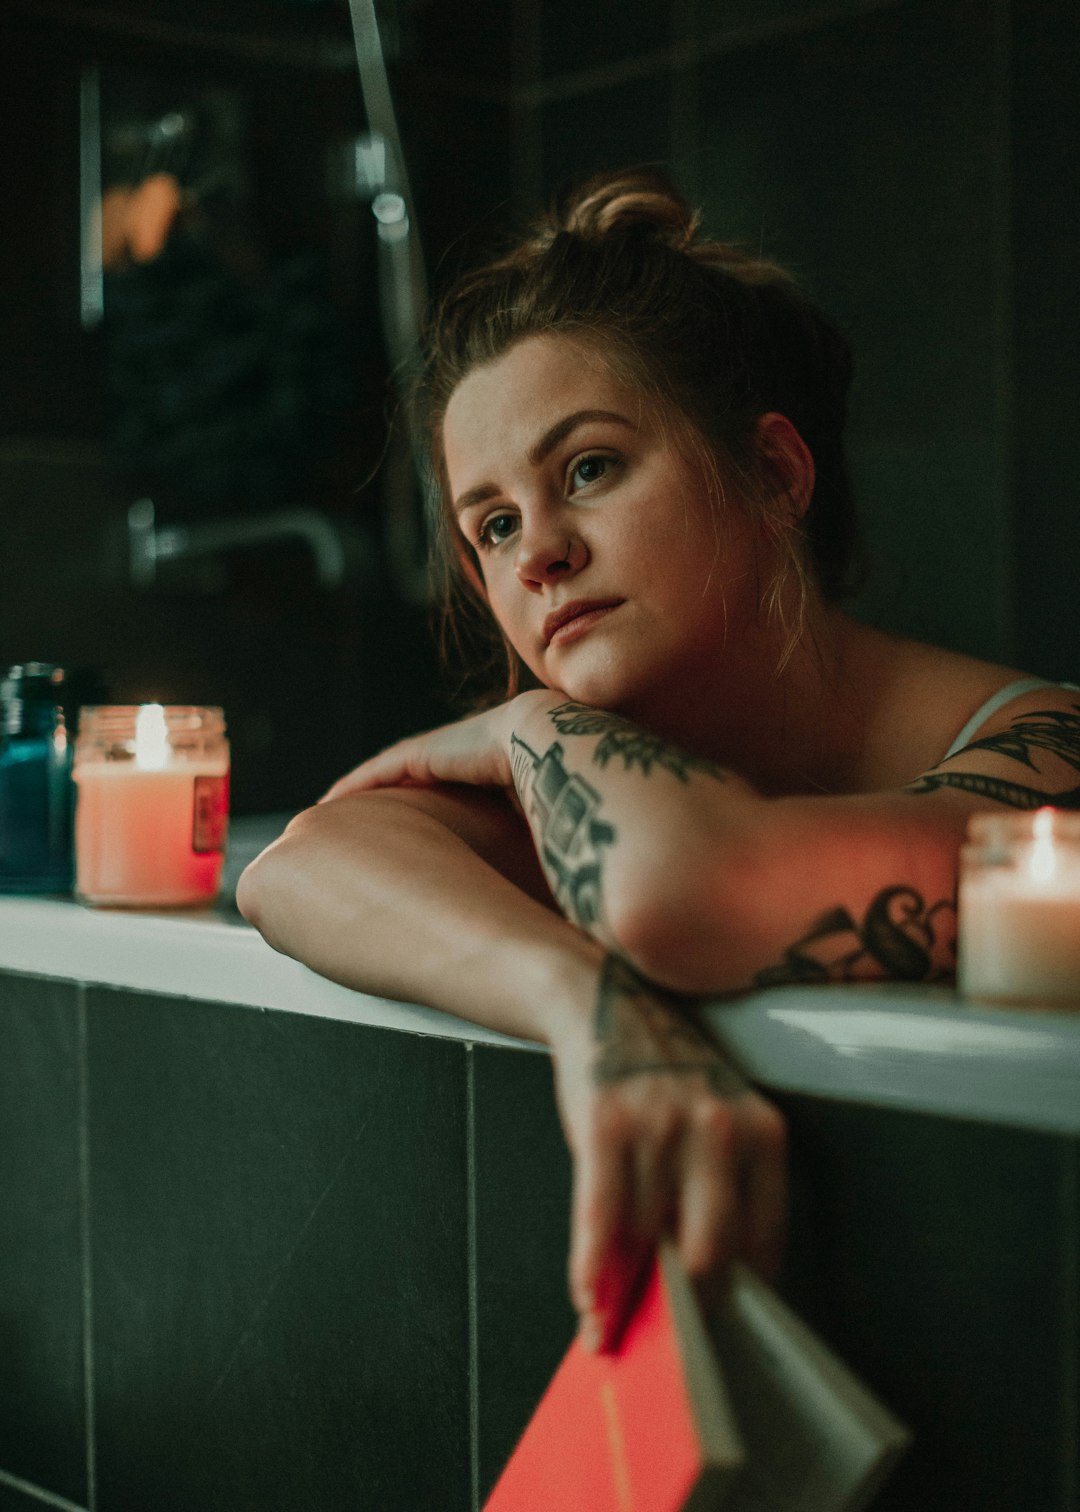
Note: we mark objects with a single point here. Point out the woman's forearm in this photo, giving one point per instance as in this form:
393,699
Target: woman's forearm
387,892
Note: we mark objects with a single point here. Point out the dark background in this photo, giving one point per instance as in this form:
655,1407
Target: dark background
913,160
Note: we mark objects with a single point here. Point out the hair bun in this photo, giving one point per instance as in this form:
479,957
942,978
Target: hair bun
640,200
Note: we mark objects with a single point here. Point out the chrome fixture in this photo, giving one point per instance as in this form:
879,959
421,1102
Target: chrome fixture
379,174
149,544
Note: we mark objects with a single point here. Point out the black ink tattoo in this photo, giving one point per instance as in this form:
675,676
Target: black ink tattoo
899,937
1015,794
640,1030
1045,730
635,747
564,809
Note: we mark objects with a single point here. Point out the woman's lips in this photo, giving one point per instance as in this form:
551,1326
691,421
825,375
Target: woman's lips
575,620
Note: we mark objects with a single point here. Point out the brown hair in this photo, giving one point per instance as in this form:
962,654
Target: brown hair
716,336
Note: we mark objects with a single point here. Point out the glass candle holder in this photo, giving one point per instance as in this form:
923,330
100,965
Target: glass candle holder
151,820
1019,909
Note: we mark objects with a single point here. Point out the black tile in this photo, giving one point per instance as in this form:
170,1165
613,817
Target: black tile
463,41
1044,254
42,1414
577,37
522,1195
932,1254
279,1253
627,124
459,155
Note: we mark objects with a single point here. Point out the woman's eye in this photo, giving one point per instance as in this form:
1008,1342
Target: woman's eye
589,470
496,529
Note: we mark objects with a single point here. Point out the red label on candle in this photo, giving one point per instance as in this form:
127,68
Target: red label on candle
211,814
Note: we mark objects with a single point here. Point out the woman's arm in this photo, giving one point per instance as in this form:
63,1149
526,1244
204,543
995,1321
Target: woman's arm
396,892
703,885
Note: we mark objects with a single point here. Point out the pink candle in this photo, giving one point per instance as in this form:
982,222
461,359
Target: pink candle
152,813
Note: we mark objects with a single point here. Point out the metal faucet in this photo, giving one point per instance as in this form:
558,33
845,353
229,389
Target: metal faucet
148,545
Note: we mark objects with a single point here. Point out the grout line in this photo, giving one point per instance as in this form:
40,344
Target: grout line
1070,1307
84,1241
47,1498
470,1250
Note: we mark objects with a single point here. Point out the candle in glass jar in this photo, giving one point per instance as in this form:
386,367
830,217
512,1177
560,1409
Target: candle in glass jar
152,813
1019,913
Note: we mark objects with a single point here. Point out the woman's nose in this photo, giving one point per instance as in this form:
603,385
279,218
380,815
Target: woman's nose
544,558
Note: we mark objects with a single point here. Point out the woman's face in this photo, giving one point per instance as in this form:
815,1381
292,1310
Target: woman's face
603,558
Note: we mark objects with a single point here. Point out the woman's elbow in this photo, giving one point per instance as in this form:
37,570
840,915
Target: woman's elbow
249,893
263,888
689,934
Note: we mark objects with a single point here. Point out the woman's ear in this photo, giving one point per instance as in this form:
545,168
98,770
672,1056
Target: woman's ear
788,458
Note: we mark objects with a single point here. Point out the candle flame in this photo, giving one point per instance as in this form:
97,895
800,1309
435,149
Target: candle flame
151,738
1043,863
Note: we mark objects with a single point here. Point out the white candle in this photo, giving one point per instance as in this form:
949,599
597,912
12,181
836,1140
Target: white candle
152,812
1019,915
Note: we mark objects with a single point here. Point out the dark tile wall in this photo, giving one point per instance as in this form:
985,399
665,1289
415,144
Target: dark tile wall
279,1247
940,1260
42,1405
522,1196
327,1267
1044,42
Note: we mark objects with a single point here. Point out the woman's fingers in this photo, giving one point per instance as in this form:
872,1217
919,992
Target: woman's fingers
708,1218
598,1239
672,1158
389,769
470,751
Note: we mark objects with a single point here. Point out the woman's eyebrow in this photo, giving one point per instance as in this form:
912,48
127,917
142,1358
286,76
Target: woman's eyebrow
543,448
562,428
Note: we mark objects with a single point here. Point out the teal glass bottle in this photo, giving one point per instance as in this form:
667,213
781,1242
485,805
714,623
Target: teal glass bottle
36,790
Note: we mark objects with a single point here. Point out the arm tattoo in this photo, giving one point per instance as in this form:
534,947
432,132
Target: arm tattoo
899,936
640,1030
1015,794
636,747
563,810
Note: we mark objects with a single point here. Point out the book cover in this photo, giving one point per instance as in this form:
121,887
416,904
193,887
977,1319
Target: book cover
648,1428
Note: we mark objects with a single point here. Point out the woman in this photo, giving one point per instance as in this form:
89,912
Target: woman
703,775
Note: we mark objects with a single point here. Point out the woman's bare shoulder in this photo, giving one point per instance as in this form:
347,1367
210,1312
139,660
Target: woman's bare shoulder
919,698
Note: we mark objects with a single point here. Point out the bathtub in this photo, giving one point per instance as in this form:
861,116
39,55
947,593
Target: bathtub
265,1167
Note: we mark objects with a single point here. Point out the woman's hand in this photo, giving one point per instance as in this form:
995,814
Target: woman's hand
666,1138
474,750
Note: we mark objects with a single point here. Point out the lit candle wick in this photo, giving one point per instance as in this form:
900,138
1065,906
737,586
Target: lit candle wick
1043,862
151,739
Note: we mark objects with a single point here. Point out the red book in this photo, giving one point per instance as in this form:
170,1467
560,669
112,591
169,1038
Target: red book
647,1428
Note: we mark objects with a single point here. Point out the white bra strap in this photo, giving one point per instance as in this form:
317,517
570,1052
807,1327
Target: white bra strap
998,701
